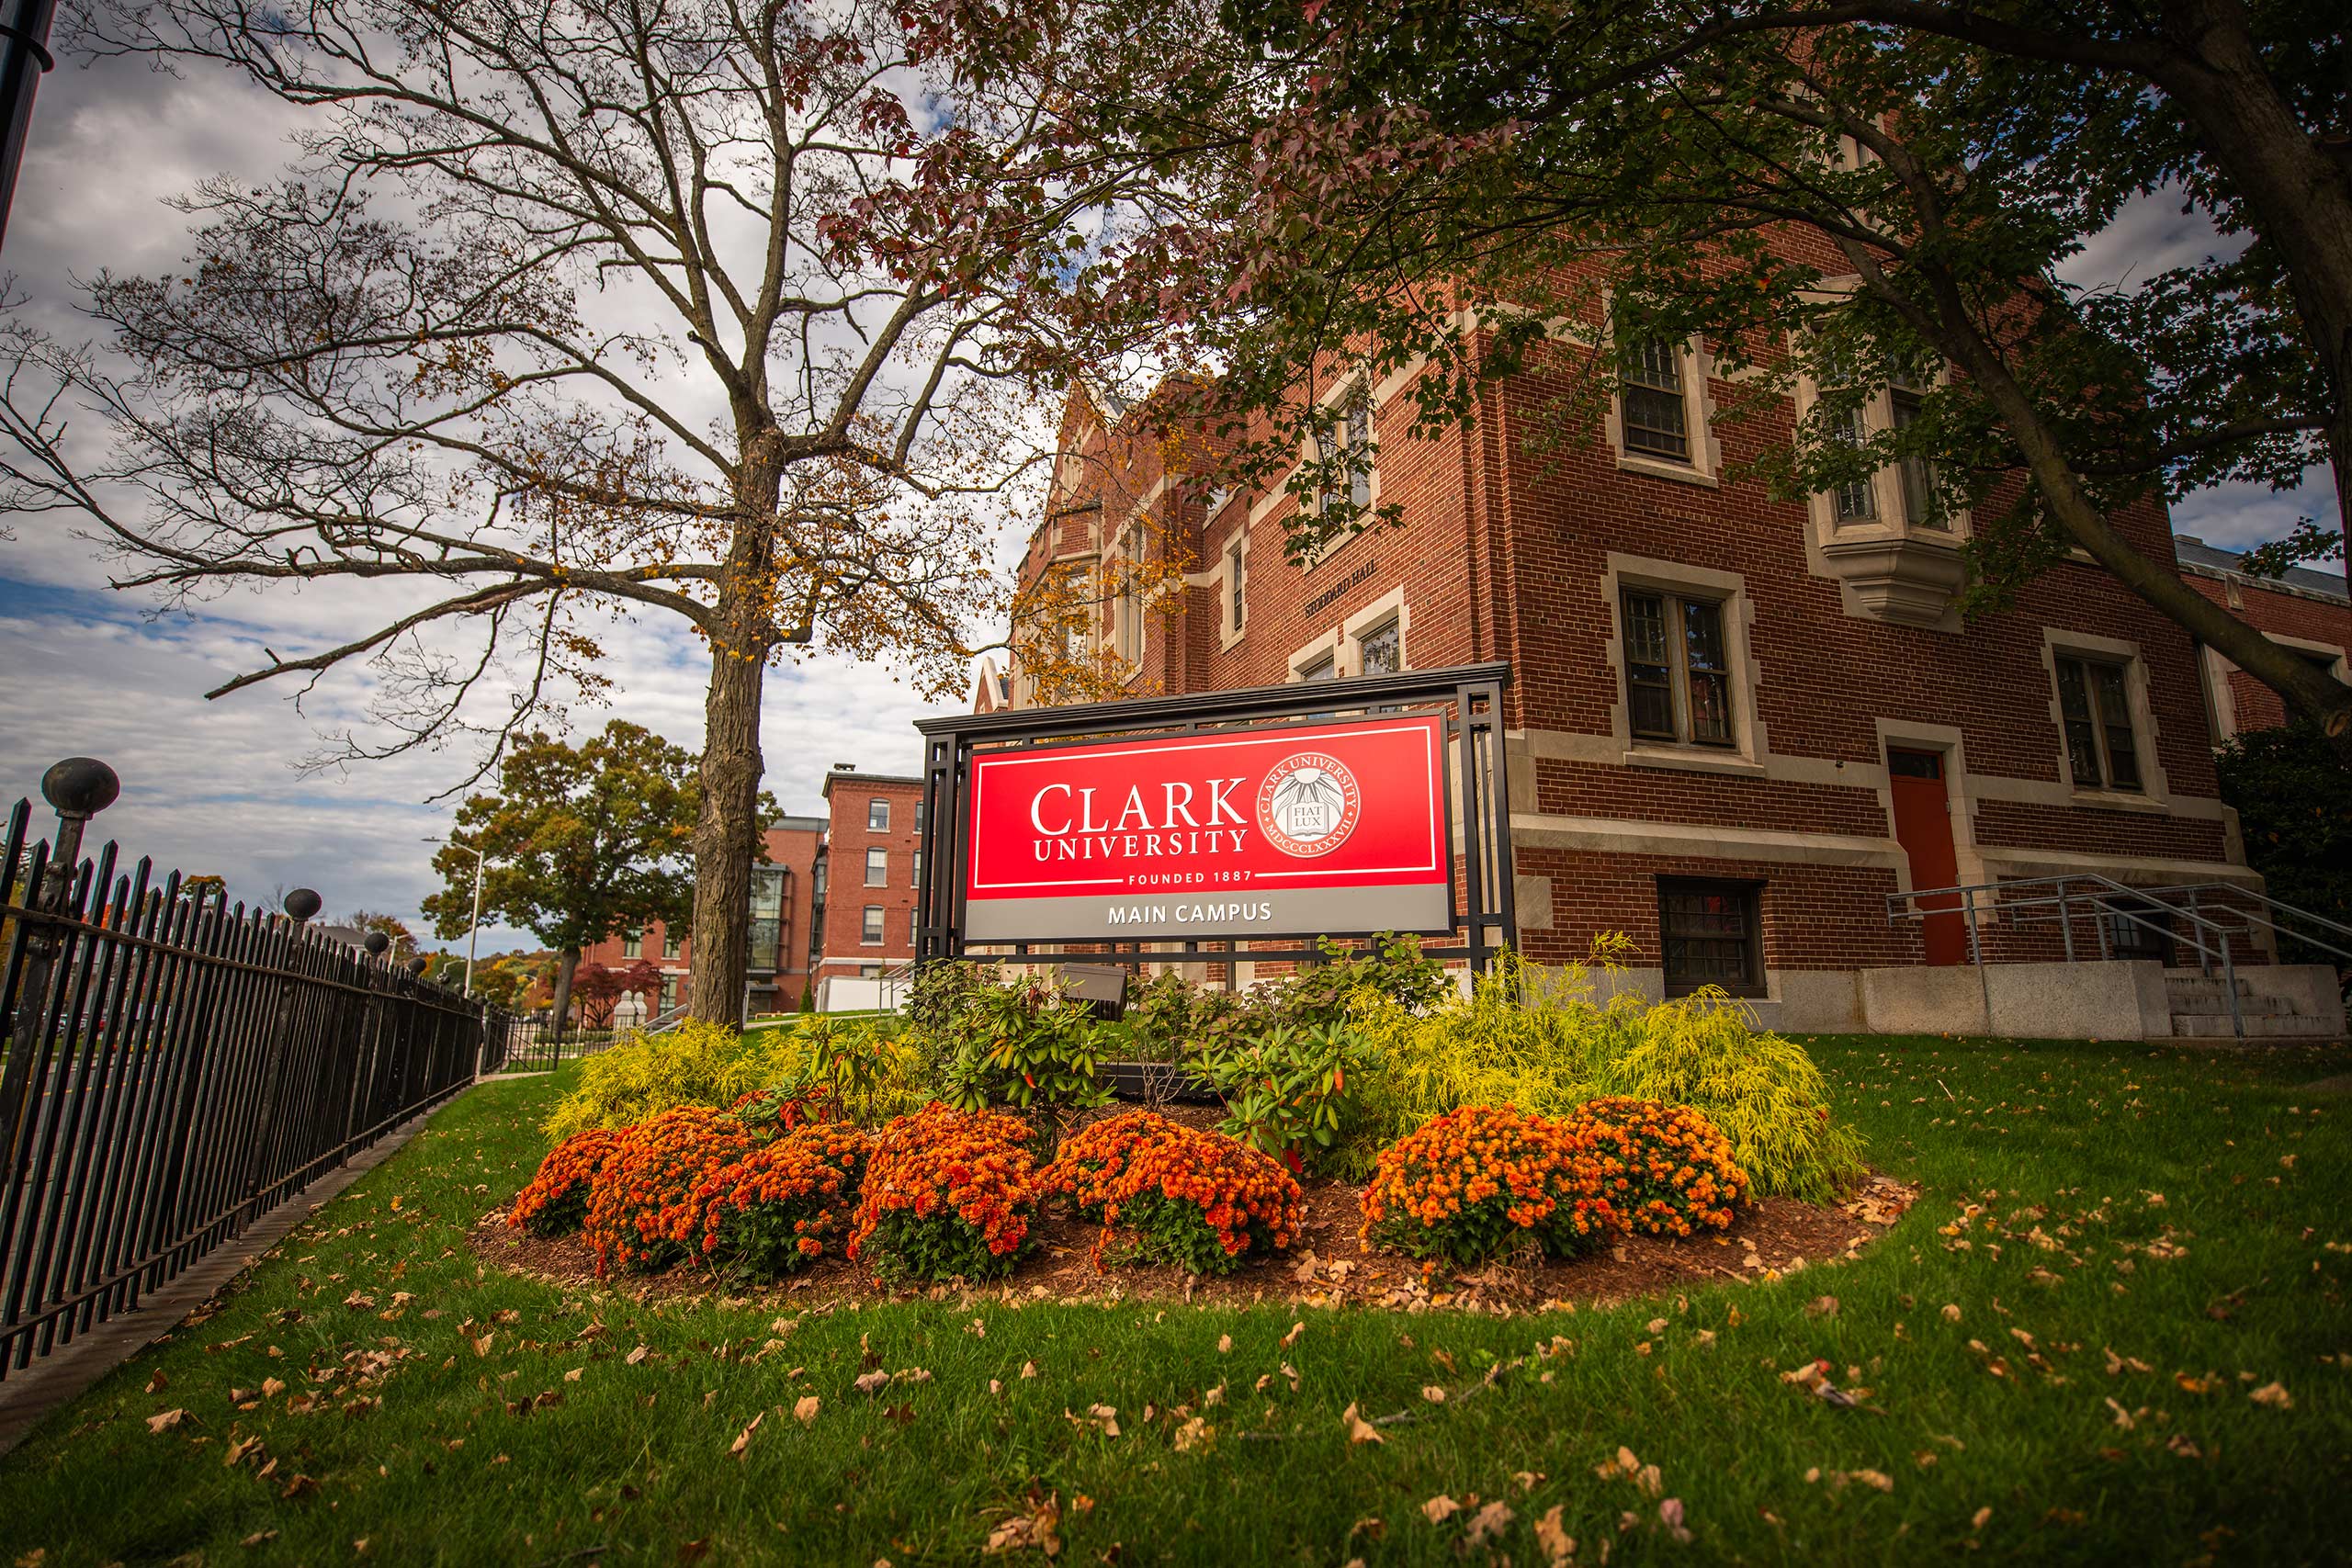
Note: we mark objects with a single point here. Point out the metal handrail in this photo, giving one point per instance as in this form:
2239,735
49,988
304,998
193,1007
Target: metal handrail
2139,905
2293,911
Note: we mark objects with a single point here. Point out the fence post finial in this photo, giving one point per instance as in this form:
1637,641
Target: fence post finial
302,903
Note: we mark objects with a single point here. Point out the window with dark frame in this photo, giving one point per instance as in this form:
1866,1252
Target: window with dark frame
872,931
2095,707
1237,571
1678,668
1347,451
878,815
1325,667
877,868
1382,648
1711,934
1655,413
1904,394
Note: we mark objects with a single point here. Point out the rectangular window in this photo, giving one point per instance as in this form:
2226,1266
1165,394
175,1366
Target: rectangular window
1677,668
1346,449
1126,618
669,992
1856,503
1236,571
878,815
2097,713
1324,666
1649,394
914,928
671,942
870,971
914,878
1905,393
877,868
817,882
872,931
1712,934
633,943
767,917
1383,649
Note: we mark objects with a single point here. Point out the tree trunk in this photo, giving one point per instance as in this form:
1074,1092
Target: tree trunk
727,831
566,963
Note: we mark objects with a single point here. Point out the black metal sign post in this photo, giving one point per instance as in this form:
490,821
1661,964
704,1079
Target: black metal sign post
1471,694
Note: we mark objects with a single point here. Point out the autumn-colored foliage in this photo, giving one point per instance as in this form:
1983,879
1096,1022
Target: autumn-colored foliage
772,1112
1175,1194
556,1203
1480,1179
776,1208
947,1193
1666,1169
641,1211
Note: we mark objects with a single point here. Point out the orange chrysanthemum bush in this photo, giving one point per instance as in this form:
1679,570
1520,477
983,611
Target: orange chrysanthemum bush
1484,1179
947,1193
556,1203
1175,1194
1667,1169
777,1208
641,1211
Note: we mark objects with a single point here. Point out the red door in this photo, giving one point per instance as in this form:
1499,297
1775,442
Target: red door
1923,827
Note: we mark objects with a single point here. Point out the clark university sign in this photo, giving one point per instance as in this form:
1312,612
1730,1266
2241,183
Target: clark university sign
1334,827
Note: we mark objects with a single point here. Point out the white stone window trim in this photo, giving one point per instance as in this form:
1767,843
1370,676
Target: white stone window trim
1375,616
1330,642
1705,466
1887,484
2154,795
1236,544
2216,667
1744,757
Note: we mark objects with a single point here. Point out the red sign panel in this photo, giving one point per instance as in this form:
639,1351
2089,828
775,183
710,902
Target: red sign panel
1337,828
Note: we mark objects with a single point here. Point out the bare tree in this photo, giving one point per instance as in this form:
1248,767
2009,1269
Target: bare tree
730,310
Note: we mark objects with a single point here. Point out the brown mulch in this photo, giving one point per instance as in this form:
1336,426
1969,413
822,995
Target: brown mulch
1327,1265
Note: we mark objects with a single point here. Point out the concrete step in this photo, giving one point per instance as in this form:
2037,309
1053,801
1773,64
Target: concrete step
2258,1026
2200,996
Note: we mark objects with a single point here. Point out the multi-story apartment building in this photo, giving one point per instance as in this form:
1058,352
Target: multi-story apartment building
2307,610
865,924
1737,725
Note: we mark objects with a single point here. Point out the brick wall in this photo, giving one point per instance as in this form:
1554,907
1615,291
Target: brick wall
847,795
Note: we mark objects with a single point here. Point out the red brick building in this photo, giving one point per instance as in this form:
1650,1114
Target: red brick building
784,931
2304,609
866,883
1738,725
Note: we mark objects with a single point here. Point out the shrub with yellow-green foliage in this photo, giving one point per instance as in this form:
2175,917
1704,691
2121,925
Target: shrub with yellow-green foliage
859,1064
1538,1040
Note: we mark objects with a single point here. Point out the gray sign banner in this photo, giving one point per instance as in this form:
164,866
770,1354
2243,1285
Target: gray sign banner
1258,913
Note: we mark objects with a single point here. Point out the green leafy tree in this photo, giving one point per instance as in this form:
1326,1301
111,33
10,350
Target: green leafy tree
579,843
2294,804
1831,196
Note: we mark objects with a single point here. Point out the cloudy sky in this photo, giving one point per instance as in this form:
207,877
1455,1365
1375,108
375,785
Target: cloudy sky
213,786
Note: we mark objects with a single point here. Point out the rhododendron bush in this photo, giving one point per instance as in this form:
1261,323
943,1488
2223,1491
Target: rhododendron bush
779,1207
556,1203
1665,1168
1485,1180
947,1193
641,1210
1173,1194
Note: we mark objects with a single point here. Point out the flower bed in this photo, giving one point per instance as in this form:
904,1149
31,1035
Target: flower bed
1666,1169
947,1193
1177,1195
1482,1179
556,1203
774,1210
642,1213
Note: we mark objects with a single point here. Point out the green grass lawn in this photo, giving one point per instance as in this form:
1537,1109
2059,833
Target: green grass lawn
2142,1355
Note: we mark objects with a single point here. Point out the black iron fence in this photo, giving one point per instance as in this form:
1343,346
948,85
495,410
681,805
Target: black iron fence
176,1066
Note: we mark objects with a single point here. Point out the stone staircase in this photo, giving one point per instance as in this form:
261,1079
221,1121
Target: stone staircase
2200,1009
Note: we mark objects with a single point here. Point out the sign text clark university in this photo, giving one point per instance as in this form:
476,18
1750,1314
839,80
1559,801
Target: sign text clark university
1333,828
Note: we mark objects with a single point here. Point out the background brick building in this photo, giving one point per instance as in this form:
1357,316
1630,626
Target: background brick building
2307,610
1737,724
873,847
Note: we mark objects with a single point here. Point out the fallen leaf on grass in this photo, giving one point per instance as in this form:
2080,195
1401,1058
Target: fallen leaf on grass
300,1486
1822,1306
156,1380
1225,1344
1195,1432
1103,1418
868,1383
1487,1524
743,1437
1028,1369
1039,1527
805,1411
163,1421
2274,1394
259,1538
1435,1394
1359,1429
238,1450
634,1357
1557,1543
1439,1509
271,1388
1669,1514
1977,1520
1292,1338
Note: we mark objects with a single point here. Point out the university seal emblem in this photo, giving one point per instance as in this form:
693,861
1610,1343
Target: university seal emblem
1308,804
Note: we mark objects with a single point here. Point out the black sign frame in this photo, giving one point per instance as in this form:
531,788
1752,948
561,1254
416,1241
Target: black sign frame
1486,923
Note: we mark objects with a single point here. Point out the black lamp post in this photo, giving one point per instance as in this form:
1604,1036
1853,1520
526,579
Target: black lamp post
24,56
